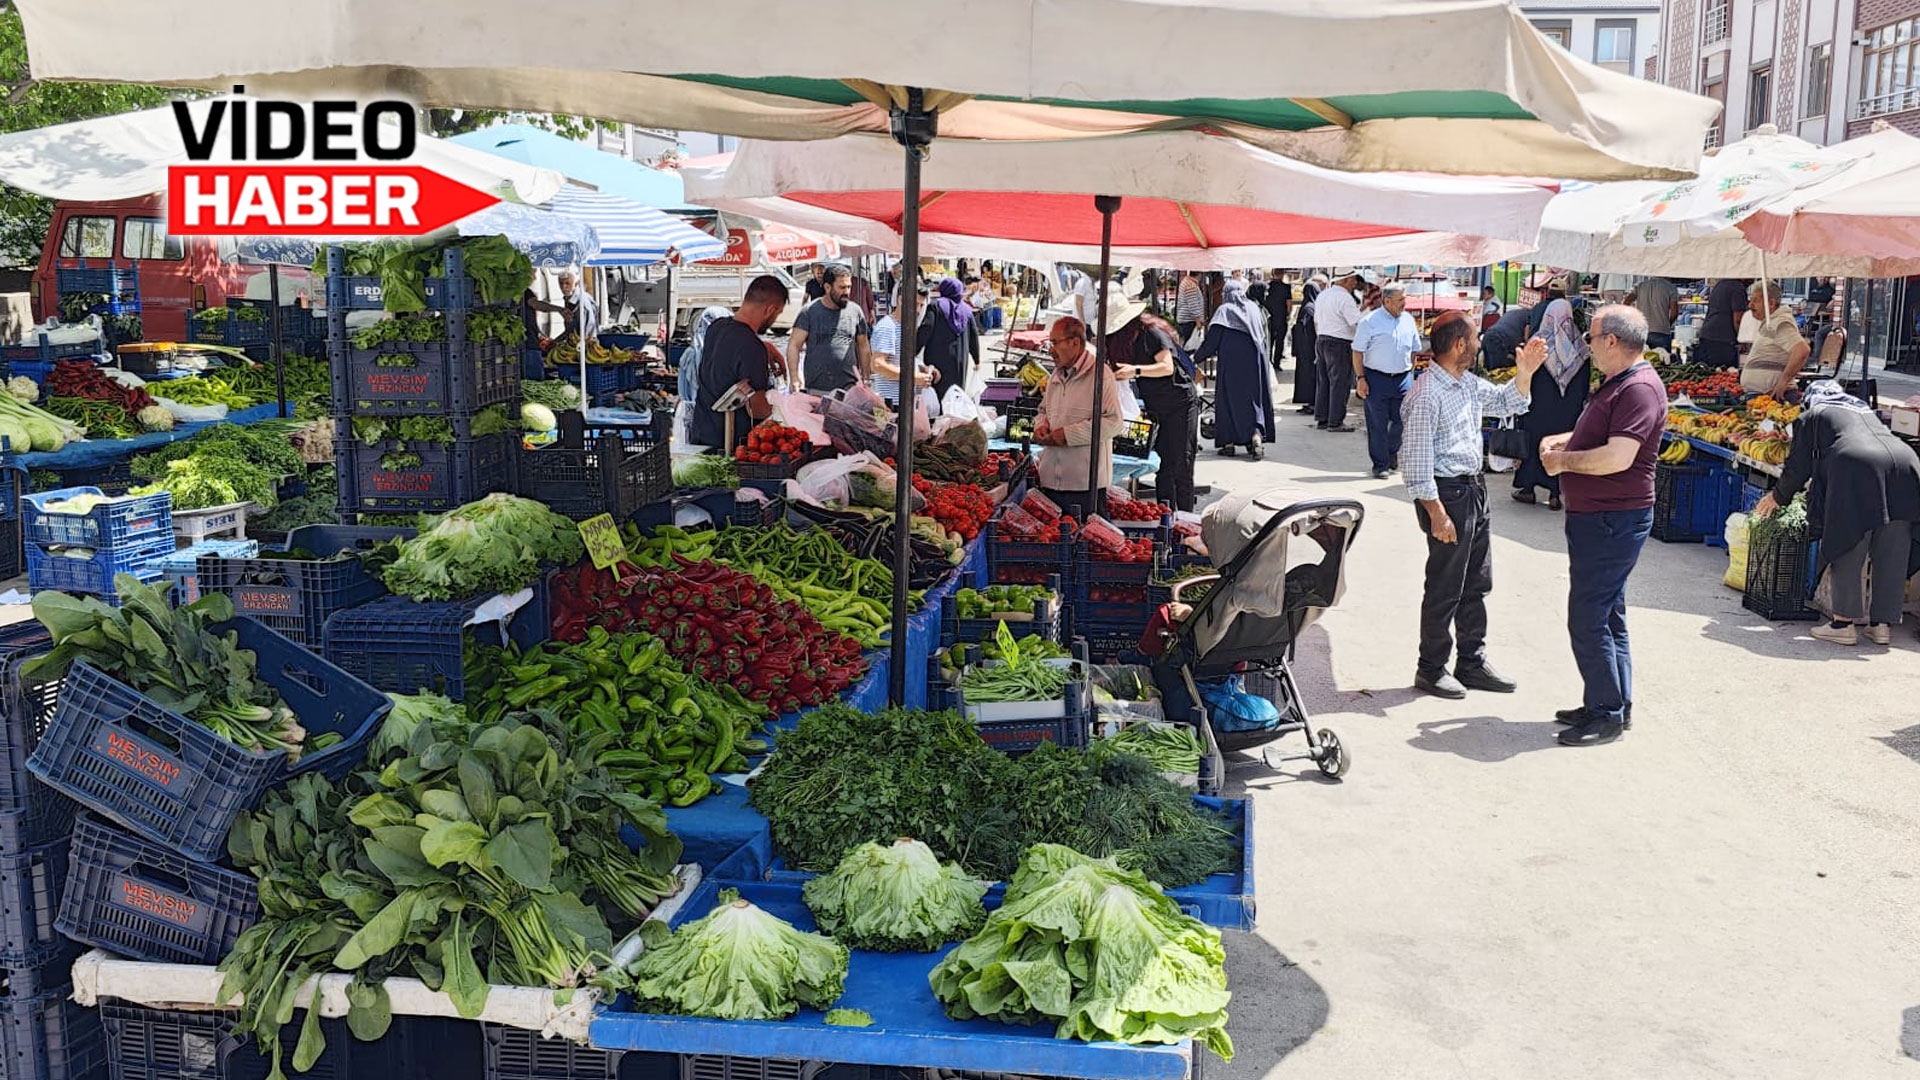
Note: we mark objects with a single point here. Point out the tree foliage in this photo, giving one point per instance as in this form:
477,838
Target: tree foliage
446,123
25,104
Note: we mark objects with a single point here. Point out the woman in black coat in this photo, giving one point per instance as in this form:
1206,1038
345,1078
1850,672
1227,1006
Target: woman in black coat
1305,373
1863,503
949,338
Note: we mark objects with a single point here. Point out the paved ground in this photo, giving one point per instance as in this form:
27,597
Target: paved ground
1730,891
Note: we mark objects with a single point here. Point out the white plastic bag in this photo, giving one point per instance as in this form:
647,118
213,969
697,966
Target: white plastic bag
1197,338
1129,405
192,413
825,482
925,406
958,405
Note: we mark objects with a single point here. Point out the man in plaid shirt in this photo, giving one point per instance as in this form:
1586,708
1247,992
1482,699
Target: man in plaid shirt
1441,461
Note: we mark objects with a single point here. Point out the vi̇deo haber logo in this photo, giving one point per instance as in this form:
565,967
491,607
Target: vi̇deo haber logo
349,174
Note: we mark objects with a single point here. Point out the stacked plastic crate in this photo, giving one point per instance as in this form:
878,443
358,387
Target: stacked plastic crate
441,370
81,551
43,1035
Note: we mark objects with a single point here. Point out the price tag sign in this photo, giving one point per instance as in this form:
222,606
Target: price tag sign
602,538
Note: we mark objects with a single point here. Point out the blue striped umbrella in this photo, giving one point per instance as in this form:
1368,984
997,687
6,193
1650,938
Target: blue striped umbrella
632,234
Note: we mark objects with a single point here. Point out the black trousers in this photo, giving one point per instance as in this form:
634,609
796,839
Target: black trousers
1076,504
1459,577
1719,354
1336,380
1177,440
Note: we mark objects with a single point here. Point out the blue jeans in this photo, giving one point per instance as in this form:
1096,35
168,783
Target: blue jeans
1383,415
1601,551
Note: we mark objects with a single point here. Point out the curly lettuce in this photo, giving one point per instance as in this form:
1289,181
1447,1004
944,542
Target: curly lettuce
1096,948
496,544
896,898
737,963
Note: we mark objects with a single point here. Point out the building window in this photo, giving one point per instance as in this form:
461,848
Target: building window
1560,33
1890,70
1759,96
1613,46
1718,21
1819,75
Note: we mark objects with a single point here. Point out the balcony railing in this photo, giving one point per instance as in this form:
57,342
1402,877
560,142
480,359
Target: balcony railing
1715,26
1713,137
1891,102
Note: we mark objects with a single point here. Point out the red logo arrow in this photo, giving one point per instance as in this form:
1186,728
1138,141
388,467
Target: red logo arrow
315,200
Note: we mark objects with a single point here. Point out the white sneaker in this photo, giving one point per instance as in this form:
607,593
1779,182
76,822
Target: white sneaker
1881,634
1839,635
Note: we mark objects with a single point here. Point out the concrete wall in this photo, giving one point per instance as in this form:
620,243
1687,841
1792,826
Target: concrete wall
1772,35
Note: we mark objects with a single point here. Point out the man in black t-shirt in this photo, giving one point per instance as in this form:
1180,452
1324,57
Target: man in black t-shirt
734,353
1720,334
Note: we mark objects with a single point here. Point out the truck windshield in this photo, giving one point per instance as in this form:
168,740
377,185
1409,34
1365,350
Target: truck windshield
87,238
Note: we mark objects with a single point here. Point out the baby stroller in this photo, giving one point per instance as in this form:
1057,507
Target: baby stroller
1248,621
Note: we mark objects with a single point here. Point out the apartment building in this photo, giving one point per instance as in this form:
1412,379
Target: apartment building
1824,70
1616,34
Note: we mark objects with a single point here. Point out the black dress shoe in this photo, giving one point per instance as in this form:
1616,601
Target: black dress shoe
1305,410
1225,451
1483,677
1525,495
1579,716
1442,685
1344,429
1592,732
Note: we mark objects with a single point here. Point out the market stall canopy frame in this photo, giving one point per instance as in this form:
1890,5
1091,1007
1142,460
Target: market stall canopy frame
1445,87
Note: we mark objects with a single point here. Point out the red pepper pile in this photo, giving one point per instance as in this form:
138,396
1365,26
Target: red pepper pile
1136,510
724,625
959,508
773,444
82,379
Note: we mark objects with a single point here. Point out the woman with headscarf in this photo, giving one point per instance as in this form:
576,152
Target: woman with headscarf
1306,376
1863,505
689,379
948,338
1242,396
1560,391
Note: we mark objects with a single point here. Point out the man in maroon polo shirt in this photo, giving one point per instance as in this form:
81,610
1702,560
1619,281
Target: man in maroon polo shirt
1606,467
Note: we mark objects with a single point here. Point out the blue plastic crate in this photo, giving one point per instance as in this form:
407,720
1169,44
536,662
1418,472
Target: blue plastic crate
30,884
1691,502
173,781
112,280
955,630
48,1036
405,646
131,896
35,358
445,378
182,567
294,596
30,812
160,1044
1024,562
447,476
103,528
93,576
12,557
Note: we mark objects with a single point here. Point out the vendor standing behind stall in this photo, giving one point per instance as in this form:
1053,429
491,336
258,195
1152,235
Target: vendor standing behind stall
830,346
1778,351
734,353
1064,426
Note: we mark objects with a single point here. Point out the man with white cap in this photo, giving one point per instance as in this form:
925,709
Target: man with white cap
1336,318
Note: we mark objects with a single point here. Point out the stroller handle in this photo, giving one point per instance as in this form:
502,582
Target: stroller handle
1292,513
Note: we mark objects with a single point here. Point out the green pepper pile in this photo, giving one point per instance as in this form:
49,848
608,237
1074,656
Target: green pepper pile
665,731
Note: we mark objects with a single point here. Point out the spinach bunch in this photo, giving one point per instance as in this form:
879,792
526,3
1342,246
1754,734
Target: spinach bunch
173,656
464,855
417,329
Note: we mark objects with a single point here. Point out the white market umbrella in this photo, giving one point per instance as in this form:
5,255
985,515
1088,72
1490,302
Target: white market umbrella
1365,85
126,157
1581,231
1188,200
1870,211
1734,182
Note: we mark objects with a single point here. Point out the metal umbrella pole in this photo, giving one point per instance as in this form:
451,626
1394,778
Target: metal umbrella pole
275,345
913,128
1108,205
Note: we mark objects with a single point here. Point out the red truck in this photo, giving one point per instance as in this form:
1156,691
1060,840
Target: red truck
179,275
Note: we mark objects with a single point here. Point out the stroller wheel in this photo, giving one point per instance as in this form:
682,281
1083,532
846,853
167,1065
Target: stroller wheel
1333,759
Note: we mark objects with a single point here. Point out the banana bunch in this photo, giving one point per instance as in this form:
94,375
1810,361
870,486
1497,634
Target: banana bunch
566,351
1676,452
1765,450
